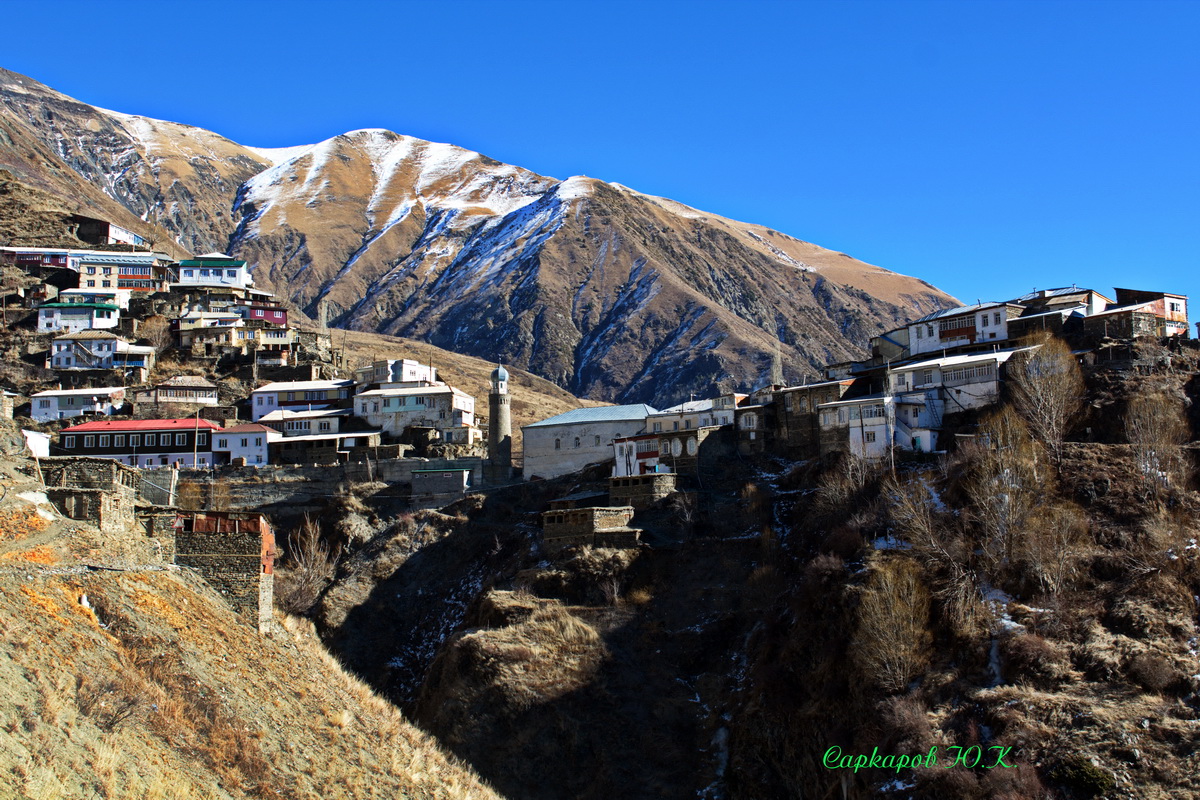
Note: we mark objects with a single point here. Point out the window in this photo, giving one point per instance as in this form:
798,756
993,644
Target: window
258,459
245,442
984,320
258,442
187,273
91,284
223,443
996,317
69,442
577,441
105,440
152,439
203,273
657,427
323,426
597,441
43,403
89,442
201,439
180,439
232,273
557,444
118,441
869,436
259,400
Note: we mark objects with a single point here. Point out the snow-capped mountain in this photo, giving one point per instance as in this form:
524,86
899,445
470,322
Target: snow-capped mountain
609,292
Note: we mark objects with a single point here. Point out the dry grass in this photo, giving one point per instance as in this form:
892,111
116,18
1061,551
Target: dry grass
162,692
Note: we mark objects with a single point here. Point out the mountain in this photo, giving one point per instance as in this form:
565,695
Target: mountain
608,292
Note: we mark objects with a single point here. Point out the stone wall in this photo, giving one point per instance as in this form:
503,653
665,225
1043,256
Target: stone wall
641,491
313,485
110,511
235,554
597,527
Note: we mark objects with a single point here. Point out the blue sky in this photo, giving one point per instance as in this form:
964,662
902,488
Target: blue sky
988,148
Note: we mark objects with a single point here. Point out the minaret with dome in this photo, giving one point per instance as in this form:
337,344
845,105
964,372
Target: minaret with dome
499,466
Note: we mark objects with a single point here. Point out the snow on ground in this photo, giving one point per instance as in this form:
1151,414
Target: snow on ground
281,155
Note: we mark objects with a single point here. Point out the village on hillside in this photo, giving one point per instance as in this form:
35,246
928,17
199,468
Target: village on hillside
109,315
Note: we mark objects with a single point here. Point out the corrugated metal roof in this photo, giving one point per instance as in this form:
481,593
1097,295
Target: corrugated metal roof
118,426
954,312
299,386
85,335
630,413
99,390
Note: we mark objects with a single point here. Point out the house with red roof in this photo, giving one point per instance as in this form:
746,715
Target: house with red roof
142,442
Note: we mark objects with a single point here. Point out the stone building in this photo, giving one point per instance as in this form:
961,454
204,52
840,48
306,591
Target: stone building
235,554
499,466
569,442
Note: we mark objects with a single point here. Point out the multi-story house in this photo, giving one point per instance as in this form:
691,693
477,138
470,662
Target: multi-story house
250,442
214,270
443,408
983,323
77,313
68,403
299,396
184,442
85,349
99,350
394,373
190,390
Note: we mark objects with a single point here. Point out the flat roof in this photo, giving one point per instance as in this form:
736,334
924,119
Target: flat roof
299,386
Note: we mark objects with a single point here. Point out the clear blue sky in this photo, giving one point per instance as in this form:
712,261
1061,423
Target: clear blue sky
988,147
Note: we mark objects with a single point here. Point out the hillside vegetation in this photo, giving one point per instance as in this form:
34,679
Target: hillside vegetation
120,681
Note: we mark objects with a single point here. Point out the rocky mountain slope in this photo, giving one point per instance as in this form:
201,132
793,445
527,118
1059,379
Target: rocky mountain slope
610,293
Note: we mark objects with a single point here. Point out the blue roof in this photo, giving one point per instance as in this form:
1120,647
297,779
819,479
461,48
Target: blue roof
637,411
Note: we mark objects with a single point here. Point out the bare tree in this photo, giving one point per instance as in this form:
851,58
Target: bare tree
311,567
1006,483
156,331
892,639
1047,389
1157,429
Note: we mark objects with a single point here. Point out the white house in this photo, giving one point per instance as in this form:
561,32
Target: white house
304,423
84,350
450,411
214,270
77,314
118,297
299,396
983,323
68,403
693,414
395,373
193,390
570,441
249,441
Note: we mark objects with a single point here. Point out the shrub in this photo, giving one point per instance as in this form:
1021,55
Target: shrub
892,639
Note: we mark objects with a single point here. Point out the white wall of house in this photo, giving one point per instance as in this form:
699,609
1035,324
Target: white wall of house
393,410
69,403
250,445
209,276
555,450
76,317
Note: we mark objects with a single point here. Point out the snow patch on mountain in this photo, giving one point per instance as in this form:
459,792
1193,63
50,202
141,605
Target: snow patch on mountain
281,155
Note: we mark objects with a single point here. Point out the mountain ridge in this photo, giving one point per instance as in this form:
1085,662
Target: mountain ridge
611,293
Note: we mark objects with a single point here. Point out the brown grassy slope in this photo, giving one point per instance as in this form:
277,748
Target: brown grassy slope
144,684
